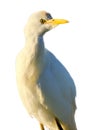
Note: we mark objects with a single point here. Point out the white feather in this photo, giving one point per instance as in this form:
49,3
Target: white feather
45,86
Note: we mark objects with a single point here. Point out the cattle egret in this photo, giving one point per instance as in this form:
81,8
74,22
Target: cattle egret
45,86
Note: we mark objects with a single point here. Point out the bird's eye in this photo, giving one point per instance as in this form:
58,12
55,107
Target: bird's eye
42,21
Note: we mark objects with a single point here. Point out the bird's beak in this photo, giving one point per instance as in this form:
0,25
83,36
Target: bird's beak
55,22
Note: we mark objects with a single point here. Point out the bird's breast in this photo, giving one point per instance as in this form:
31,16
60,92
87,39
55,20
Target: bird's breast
27,74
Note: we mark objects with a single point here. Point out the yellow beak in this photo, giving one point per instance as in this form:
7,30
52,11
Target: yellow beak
56,21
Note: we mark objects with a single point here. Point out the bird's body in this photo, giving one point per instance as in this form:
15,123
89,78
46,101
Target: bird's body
45,86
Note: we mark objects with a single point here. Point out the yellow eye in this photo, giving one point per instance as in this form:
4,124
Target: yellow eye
42,21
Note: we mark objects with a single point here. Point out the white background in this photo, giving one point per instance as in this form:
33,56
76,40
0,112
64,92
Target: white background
75,45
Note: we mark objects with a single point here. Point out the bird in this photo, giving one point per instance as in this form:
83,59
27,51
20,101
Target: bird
46,88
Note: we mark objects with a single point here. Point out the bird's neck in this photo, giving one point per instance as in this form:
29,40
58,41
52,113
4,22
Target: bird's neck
35,47
34,57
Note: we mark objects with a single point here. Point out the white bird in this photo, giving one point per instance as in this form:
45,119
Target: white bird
45,86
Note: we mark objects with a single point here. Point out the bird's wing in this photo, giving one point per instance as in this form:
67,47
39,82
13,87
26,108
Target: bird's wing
57,88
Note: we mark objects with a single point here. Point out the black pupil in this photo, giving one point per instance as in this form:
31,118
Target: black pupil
42,21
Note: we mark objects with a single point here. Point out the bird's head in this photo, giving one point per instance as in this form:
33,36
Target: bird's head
41,22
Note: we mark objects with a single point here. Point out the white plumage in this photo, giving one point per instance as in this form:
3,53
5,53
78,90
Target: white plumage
45,86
